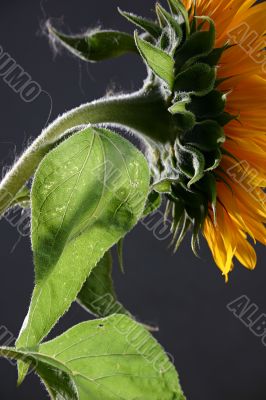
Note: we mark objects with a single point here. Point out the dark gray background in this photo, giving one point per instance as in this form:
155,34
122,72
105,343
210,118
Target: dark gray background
216,355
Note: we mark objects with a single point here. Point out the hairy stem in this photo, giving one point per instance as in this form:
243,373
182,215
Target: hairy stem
143,112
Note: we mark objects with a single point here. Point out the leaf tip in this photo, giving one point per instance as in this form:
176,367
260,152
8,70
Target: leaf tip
22,372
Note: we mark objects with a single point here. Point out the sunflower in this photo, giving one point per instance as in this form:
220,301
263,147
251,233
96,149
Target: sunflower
240,209
219,154
217,94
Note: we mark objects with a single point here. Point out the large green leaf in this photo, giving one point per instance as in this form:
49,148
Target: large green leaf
108,359
97,294
96,45
87,194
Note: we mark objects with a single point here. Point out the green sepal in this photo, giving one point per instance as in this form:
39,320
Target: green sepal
198,217
214,56
160,16
168,207
97,45
219,81
197,227
185,119
178,213
208,185
190,161
149,26
189,196
195,238
163,186
185,228
209,106
191,206
192,12
171,21
212,159
168,40
199,44
177,8
161,63
165,40
198,79
206,136
154,201
197,207
224,118
229,154
222,177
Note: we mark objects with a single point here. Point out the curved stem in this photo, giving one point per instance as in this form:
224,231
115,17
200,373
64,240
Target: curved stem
143,112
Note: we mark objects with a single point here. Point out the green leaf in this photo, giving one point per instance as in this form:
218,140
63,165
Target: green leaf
207,136
149,26
154,201
59,383
198,79
119,247
93,180
97,294
160,62
112,358
96,45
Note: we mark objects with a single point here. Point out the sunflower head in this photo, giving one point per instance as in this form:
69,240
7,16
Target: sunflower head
207,60
182,58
